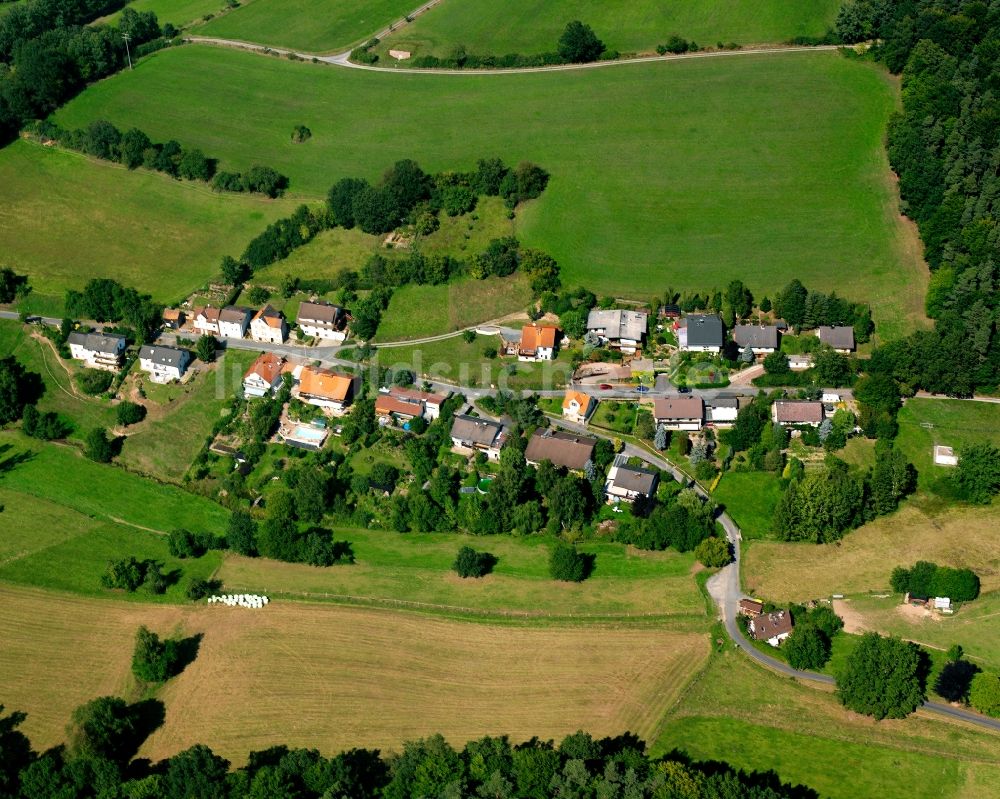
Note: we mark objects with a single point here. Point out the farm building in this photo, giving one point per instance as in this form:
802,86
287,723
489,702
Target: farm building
751,608
173,318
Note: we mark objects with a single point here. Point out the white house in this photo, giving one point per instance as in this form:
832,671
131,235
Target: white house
627,483
269,325
325,389
538,343
799,363
206,321
722,411
771,627
409,399
234,321
470,434
621,330
97,351
703,333
679,413
829,398
577,406
164,363
264,375
761,339
322,320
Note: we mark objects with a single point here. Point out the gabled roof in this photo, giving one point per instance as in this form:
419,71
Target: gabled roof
704,330
756,336
208,313
629,478
771,625
164,356
271,317
172,314
97,342
267,367
386,403
678,408
235,314
535,336
840,338
322,312
752,606
798,412
479,431
325,384
562,449
618,324
581,399
416,395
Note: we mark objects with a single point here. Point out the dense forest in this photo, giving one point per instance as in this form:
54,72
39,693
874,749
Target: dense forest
945,147
105,733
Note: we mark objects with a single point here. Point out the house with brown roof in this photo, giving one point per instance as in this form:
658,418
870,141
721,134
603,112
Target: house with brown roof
323,320
771,627
569,450
471,434
577,406
538,343
679,413
391,407
751,608
173,318
840,338
797,412
269,325
206,321
761,339
325,389
234,321
628,483
432,401
264,375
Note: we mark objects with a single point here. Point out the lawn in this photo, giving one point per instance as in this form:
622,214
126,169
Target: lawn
455,360
37,355
61,475
416,568
180,418
181,13
528,26
417,311
924,423
312,25
616,416
741,713
862,561
696,143
750,498
66,218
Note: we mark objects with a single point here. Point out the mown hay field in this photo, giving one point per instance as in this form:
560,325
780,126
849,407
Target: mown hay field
527,26
684,174
334,678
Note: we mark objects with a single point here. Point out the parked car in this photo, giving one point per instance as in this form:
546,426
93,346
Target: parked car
642,389
683,390
606,387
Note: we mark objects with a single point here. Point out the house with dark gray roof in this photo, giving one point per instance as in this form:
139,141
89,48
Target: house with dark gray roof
839,338
761,339
234,321
722,411
703,333
628,483
570,450
96,350
163,363
472,434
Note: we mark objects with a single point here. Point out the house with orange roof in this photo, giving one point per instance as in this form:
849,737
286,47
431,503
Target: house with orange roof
325,389
538,343
269,325
577,406
264,375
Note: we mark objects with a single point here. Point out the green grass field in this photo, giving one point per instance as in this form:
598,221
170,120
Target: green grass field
180,13
754,719
924,423
529,26
750,498
66,218
416,568
696,143
312,25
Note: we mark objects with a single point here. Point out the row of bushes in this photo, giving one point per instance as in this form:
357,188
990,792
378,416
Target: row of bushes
926,579
133,148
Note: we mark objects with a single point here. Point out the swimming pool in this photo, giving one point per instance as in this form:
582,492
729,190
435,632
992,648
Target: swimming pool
308,433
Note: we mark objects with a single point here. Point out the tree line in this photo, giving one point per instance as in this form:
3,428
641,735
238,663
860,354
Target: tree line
50,53
104,735
133,148
943,146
